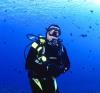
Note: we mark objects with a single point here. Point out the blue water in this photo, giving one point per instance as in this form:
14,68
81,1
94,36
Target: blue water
80,24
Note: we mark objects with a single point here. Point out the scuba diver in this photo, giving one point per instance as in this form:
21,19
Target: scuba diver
46,60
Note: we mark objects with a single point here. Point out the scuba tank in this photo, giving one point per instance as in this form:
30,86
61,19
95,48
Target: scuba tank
32,38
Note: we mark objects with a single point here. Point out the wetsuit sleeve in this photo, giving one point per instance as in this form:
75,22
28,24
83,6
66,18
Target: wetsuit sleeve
31,65
61,66
65,60
30,59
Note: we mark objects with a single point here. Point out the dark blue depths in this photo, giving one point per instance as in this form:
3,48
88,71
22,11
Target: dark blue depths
80,24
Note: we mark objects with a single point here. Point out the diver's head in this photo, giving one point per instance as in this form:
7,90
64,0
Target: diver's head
53,32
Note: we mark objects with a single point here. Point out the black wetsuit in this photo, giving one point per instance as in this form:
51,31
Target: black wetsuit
57,62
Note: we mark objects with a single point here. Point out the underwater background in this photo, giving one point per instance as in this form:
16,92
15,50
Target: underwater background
80,25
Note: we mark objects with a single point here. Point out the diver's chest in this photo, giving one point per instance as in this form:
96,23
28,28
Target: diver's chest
51,51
